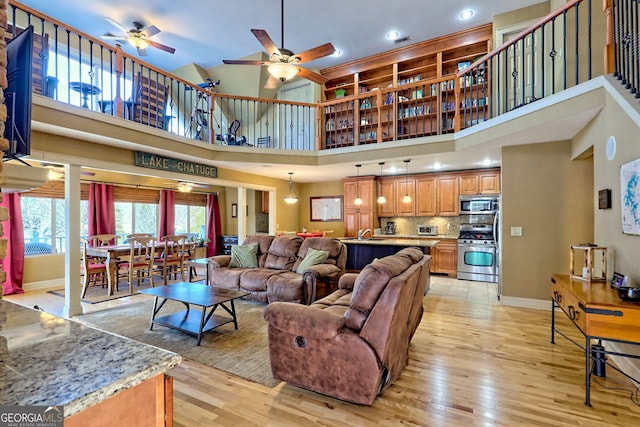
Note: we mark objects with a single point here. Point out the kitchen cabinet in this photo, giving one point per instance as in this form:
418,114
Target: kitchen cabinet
405,187
146,404
426,200
447,194
387,188
265,202
445,257
480,182
363,216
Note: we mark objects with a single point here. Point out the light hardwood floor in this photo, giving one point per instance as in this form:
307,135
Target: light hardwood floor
472,362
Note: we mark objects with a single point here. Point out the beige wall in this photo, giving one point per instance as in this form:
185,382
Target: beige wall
623,249
551,197
44,268
333,188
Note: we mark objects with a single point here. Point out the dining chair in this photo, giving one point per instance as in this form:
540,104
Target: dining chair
103,239
170,256
93,270
327,233
135,235
140,263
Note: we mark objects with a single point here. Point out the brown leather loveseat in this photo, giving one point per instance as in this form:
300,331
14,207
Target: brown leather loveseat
275,277
353,343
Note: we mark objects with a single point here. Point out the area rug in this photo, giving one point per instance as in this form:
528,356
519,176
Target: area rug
243,352
98,294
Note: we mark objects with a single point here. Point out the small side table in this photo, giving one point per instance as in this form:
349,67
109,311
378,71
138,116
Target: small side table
85,89
194,264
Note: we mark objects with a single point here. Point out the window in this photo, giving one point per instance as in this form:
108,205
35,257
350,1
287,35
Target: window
136,218
41,219
191,220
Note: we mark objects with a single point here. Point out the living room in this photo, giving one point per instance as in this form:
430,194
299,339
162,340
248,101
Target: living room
546,191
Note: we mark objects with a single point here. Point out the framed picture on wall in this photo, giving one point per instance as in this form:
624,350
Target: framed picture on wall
326,208
234,210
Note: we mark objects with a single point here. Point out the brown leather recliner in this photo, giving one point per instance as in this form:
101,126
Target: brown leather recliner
353,343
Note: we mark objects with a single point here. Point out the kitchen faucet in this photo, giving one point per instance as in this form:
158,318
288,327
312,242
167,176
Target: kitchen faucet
361,233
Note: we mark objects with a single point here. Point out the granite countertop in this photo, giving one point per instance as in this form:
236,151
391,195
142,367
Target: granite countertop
379,240
48,360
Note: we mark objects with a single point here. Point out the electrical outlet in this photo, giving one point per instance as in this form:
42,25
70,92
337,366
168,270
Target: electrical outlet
516,231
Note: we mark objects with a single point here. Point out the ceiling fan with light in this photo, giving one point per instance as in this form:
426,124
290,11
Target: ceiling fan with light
283,63
137,36
185,186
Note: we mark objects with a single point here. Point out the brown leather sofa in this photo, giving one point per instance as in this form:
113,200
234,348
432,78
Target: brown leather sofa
275,278
354,343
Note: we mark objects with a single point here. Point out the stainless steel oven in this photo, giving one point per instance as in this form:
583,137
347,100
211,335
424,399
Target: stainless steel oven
477,253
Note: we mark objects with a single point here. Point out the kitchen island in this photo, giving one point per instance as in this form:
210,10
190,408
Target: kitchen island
99,378
361,252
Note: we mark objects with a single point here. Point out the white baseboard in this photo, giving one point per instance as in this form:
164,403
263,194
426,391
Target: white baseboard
43,285
526,302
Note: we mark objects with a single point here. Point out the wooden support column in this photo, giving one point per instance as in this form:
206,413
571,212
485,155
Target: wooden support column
609,57
119,69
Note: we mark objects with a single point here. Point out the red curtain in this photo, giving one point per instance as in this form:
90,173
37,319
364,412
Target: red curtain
167,221
102,210
13,263
214,226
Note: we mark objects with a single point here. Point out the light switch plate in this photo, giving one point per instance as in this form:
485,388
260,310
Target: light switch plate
516,231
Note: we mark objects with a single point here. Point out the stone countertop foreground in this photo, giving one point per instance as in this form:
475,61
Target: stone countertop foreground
48,360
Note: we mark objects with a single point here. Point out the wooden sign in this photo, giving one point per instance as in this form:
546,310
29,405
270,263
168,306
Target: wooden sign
154,161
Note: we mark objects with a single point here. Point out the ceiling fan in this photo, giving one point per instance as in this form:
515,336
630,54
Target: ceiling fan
185,186
283,63
137,36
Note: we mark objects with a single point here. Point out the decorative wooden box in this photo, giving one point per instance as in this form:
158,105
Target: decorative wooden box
592,255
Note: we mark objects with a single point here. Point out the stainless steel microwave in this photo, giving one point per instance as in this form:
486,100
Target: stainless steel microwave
479,205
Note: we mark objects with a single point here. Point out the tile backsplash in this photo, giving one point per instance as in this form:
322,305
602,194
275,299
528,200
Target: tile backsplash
447,226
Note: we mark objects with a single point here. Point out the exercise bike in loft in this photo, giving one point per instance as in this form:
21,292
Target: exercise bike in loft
198,121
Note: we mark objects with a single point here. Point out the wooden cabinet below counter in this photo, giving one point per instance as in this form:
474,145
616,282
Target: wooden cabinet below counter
445,257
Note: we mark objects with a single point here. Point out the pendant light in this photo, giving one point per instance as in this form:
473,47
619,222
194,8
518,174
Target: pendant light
291,198
358,200
406,198
381,200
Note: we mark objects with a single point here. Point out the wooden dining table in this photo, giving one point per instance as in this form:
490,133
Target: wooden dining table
111,255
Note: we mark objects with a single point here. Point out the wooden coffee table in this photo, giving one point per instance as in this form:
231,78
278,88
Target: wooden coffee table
194,321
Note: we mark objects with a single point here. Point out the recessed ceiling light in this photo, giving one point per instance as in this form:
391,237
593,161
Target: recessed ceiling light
466,14
393,35
337,52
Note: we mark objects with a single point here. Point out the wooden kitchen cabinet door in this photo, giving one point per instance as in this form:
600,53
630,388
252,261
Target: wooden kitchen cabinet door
387,189
426,196
406,187
446,257
448,195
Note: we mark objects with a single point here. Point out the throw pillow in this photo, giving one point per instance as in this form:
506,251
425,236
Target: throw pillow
313,257
244,256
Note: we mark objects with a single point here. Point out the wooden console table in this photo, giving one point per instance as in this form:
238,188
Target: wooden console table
599,313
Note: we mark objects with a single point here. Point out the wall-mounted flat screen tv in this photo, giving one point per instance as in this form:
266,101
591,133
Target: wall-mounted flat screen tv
18,95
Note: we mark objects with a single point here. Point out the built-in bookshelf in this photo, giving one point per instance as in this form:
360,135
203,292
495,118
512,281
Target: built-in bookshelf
393,95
